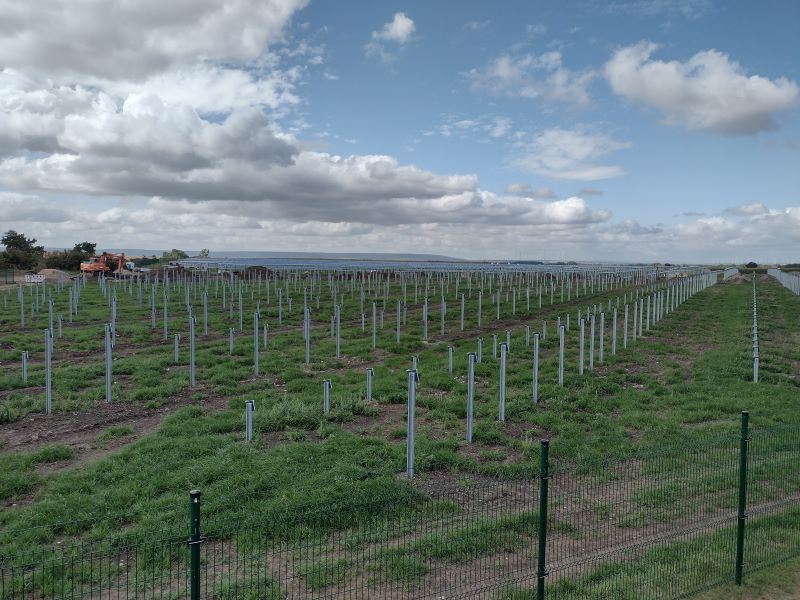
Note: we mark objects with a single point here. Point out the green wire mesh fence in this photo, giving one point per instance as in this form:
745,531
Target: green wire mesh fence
658,525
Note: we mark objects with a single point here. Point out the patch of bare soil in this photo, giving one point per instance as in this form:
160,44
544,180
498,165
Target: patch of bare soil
79,429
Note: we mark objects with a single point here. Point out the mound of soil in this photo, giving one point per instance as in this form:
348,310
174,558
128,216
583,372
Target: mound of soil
55,276
739,279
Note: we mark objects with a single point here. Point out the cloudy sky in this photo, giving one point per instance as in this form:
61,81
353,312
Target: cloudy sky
614,130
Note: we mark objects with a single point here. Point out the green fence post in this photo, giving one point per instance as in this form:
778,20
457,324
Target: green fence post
194,544
544,478
743,443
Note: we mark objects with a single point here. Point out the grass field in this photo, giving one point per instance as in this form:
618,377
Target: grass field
121,471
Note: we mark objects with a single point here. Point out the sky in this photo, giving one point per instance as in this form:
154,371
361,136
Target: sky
624,130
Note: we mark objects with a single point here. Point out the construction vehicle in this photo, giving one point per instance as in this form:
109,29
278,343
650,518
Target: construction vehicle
103,263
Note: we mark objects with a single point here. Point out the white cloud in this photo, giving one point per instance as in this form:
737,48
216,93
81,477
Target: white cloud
534,29
472,224
707,92
104,40
558,153
212,88
398,31
499,127
542,77
755,208
484,125
477,25
29,208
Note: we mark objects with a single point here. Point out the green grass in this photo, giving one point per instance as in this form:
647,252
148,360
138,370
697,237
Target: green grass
683,384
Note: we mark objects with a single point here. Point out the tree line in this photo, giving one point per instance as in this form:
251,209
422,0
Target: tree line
22,253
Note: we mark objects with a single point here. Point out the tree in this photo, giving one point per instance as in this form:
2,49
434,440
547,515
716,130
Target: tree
204,253
751,265
173,254
86,248
70,260
20,251
17,241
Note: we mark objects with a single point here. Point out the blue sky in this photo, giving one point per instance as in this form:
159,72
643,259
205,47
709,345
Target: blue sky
629,130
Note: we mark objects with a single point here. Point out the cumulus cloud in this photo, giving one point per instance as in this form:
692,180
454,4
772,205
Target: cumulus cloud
707,92
542,77
217,89
571,154
468,224
755,208
103,40
396,32
29,208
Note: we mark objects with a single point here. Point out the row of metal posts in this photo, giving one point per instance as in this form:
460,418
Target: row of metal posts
111,334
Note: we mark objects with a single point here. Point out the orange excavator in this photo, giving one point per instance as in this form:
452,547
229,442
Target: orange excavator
104,263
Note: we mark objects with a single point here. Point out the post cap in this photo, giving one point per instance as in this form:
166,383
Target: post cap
194,494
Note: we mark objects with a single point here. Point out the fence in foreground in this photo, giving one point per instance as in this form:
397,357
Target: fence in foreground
659,525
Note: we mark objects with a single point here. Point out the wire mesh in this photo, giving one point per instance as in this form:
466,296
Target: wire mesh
656,525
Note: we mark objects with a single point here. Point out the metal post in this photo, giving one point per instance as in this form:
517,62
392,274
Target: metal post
326,396
175,347
48,365
561,355
107,338
194,544
370,373
374,325
255,343
230,340
470,393
544,479
307,333
413,378
591,342
205,313
742,516
614,333
501,413
450,359
165,315
535,368
338,317
397,331
581,328
191,352
25,357
479,351
249,405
